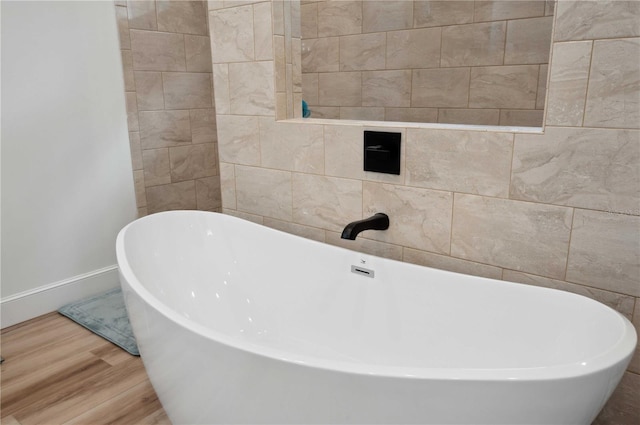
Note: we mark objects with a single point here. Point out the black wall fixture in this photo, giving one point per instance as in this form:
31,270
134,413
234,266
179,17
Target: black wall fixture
382,152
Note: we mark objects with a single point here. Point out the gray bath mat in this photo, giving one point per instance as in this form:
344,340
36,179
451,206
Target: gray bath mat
104,315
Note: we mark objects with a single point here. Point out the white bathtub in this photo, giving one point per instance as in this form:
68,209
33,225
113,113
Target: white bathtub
239,323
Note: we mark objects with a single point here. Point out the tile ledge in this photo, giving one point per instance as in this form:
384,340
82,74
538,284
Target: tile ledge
431,126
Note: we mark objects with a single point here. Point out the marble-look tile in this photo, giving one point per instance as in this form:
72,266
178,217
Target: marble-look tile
287,29
228,185
203,125
542,86
517,235
550,7
592,20
139,187
419,218
622,303
295,20
150,95
366,246
174,196
321,55
613,98
221,88
428,13
469,116
588,168
310,88
411,114
513,86
136,150
528,41
157,51
326,112
289,98
264,192
193,162
208,193
386,88
473,44
123,28
361,113
262,31
363,52
160,129
133,122
340,88
156,166
623,407
326,202
460,161
243,215
444,262
605,251
634,366
142,14
343,149
295,229
198,53
568,83
496,10
251,88
127,71
309,20
296,53
188,17
379,16
339,18
239,139
281,106
521,117
187,90
232,37
291,146
280,63
278,17
444,87
415,48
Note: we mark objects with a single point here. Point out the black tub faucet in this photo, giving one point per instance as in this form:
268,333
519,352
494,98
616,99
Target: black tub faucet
378,221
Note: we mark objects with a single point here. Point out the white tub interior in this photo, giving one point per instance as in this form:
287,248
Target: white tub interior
251,287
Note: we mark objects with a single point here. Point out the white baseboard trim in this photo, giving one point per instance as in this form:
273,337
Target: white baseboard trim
45,299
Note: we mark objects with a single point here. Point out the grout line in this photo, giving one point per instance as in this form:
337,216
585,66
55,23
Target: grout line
566,266
513,151
586,92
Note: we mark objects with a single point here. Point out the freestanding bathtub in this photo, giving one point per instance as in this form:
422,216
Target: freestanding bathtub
239,323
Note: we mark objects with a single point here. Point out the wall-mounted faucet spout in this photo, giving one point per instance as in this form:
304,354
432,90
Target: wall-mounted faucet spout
378,221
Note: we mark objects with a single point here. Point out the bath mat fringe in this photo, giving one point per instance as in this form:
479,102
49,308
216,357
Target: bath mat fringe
105,315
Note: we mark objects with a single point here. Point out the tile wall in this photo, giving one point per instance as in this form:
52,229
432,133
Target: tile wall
558,208
166,58
466,62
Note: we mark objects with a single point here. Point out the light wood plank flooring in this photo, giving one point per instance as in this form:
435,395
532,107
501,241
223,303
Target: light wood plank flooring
57,372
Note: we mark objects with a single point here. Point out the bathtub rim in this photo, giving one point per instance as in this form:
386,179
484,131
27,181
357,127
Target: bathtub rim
620,352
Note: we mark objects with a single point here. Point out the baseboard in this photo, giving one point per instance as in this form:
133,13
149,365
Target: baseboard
45,299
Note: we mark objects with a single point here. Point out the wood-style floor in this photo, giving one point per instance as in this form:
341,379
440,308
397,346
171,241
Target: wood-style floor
56,372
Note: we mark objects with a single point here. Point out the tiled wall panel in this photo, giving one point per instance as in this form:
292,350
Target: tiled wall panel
166,58
437,46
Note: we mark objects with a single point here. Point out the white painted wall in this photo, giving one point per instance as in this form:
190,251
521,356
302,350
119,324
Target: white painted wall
67,184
